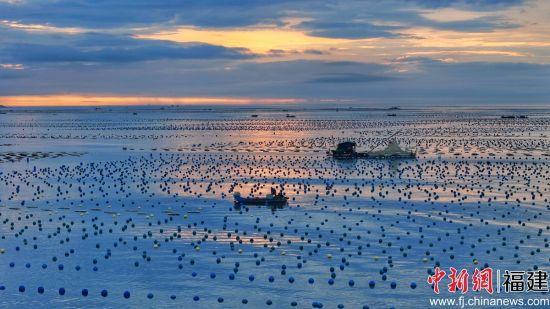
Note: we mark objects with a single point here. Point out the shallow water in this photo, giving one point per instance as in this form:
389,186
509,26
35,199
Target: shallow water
140,200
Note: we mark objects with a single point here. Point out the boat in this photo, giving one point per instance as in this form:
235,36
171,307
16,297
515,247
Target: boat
345,150
514,117
268,200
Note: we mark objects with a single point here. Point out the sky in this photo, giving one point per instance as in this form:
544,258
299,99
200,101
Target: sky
337,52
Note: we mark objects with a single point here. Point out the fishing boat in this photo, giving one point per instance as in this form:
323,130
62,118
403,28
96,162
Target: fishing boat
268,200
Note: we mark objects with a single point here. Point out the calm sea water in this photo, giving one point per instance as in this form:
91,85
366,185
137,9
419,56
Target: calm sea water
139,200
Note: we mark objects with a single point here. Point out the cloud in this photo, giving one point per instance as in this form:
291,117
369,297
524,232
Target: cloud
435,82
478,4
358,15
337,78
480,24
56,41
109,14
348,30
94,48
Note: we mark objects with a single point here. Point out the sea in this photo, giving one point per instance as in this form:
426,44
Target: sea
133,207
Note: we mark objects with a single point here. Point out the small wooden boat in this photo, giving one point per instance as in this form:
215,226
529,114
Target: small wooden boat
269,200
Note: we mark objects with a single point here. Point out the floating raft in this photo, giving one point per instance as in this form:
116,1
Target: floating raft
347,150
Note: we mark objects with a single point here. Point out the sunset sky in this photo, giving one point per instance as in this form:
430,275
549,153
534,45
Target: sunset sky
367,52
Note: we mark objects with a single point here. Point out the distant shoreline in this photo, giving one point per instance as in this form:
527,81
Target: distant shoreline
271,108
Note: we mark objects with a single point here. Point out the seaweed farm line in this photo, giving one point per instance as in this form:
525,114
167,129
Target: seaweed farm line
134,207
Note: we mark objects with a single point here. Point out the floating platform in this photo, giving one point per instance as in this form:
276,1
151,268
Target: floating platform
347,150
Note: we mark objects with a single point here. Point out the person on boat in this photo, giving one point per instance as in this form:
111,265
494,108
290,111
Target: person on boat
273,191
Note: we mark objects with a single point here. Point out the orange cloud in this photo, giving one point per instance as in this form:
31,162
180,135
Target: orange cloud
111,100
258,40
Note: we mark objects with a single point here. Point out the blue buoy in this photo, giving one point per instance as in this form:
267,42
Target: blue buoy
172,297
231,277
21,289
294,304
196,298
269,302
104,293
271,279
311,280
40,290
251,277
244,301
371,284
351,283
150,295
84,292
126,294
61,291
331,281
220,299
393,285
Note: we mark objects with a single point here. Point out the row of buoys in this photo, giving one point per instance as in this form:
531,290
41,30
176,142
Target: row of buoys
127,295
